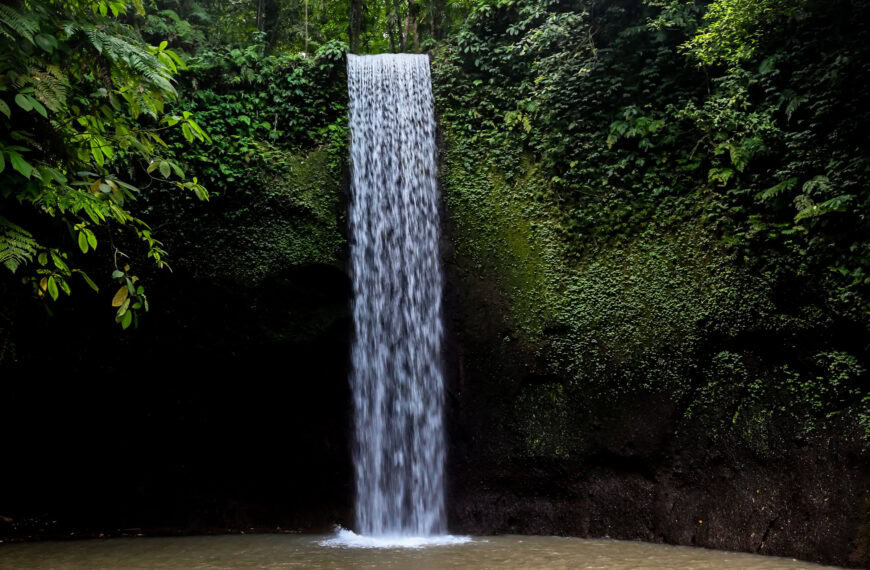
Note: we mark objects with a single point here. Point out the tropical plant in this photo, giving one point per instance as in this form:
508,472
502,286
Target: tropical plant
84,107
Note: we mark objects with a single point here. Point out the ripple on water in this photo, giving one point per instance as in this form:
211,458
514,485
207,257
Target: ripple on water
349,539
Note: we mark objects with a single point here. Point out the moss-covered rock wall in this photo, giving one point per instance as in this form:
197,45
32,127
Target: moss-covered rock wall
658,387
646,345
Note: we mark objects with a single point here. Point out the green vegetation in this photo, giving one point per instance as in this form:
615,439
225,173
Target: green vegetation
668,198
85,103
278,125
102,139
649,196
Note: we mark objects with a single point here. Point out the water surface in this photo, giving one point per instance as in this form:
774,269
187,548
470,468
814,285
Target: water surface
305,551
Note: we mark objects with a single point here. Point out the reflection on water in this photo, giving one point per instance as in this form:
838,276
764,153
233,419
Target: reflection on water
305,551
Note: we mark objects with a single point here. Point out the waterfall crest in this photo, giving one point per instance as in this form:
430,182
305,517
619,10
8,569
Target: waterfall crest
397,377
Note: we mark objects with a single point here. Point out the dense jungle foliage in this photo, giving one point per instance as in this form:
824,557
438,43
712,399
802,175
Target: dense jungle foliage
658,189
669,197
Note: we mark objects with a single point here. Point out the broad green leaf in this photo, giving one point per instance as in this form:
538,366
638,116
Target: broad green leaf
57,175
126,320
44,41
23,102
198,130
19,164
165,169
89,281
4,108
124,306
125,185
92,239
38,106
97,153
178,61
83,242
52,288
58,262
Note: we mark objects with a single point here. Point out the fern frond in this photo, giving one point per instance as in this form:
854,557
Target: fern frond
50,85
4,33
124,53
24,25
199,12
17,245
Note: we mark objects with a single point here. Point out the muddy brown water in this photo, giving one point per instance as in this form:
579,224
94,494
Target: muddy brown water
307,551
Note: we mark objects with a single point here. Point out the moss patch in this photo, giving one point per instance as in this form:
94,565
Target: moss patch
293,219
671,310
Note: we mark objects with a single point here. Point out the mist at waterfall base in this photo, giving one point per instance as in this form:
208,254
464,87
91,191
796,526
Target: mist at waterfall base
397,376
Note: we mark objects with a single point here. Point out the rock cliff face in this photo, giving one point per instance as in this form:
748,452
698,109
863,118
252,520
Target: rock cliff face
658,390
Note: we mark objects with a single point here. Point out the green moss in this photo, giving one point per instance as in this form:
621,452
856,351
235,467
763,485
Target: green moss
292,219
656,312
496,239
643,299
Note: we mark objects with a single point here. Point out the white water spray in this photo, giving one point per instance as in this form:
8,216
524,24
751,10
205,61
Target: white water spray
397,378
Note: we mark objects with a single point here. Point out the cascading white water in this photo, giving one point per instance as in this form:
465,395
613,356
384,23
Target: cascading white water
397,378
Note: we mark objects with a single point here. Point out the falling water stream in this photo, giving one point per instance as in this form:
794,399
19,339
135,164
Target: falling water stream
394,230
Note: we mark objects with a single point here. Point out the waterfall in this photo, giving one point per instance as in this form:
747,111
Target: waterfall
397,377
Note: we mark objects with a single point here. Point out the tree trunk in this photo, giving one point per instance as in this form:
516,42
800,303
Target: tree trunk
432,30
271,21
355,25
390,29
397,12
411,25
438,13
260,15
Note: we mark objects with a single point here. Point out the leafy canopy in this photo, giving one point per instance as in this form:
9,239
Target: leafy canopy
84,105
